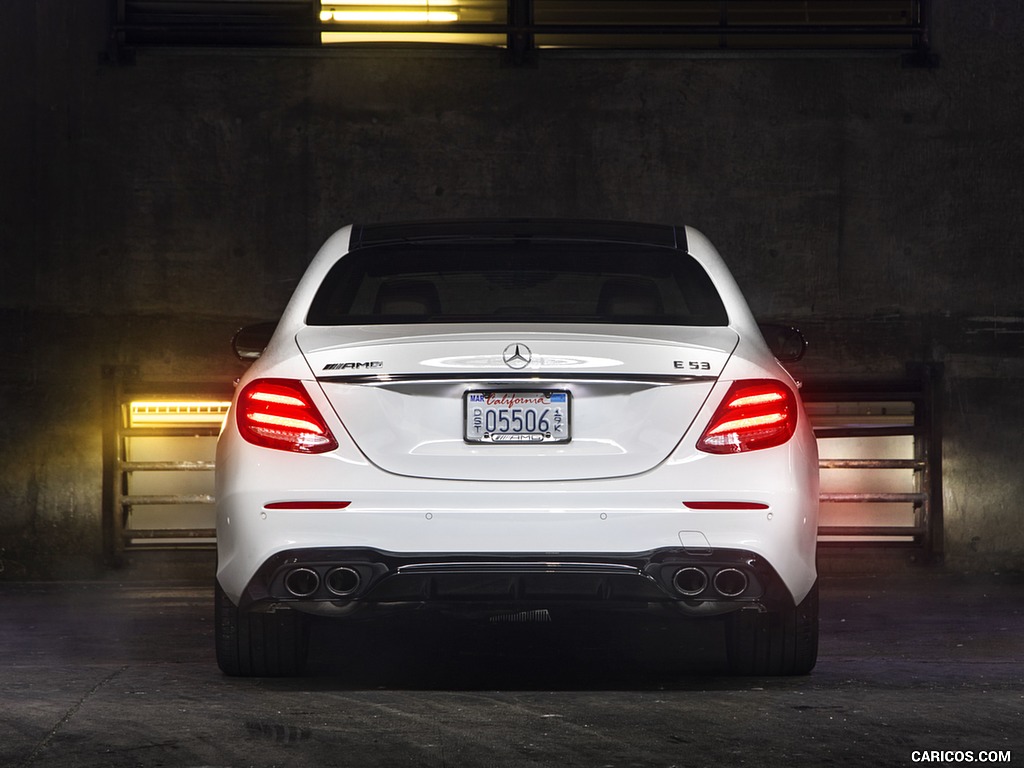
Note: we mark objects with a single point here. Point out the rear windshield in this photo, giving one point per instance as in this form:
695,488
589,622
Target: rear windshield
517,281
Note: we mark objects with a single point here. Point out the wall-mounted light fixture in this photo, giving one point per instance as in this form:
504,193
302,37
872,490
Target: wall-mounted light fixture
176,413
389,11
407,21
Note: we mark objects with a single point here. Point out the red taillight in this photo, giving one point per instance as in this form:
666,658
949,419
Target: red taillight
753,415
278,413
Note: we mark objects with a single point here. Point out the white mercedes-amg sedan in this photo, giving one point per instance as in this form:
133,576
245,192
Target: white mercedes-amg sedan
516,417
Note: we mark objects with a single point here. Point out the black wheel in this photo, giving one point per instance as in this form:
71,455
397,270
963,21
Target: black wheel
775,643
258,644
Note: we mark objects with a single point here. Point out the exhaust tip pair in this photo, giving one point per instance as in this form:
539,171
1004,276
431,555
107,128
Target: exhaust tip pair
726,582
303,582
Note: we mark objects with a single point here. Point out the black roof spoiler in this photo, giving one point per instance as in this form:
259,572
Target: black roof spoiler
663,235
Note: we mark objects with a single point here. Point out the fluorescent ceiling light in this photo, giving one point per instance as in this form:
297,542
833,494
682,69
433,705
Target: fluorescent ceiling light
389,11
407,4
405,17
343,38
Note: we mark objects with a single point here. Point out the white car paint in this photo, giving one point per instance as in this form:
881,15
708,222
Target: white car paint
392,397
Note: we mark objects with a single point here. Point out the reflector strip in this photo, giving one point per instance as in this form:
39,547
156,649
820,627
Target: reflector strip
307,505
710,505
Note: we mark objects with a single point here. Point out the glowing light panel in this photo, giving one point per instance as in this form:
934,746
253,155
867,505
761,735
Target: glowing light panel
171,413
389,11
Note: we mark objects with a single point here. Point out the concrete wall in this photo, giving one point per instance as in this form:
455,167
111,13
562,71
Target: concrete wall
150,208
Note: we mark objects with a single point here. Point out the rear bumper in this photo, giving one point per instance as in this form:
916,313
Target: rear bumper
343,580
448,551
408,537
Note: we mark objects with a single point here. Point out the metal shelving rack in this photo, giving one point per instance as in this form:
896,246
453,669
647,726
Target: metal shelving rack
121,505
921,392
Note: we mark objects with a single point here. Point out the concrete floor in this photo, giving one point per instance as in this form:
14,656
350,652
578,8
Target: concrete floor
121,674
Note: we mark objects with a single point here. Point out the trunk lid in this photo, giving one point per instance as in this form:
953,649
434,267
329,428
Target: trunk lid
405,395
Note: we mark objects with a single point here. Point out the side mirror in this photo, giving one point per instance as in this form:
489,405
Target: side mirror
249,341
786,343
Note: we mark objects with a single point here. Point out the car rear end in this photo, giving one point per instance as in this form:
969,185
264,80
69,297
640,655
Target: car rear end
497,416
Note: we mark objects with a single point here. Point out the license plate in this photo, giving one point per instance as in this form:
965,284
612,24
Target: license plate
517,417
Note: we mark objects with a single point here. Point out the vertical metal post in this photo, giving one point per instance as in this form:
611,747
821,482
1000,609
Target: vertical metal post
116,52
922,55
112,524
520,41
924,18
934,393
723,22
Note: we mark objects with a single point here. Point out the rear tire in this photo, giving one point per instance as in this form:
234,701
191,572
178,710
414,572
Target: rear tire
259,644
774,643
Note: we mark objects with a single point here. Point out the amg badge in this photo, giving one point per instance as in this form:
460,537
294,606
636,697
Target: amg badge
354,366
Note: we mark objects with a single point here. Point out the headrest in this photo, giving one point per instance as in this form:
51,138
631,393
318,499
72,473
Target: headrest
629,296
407,297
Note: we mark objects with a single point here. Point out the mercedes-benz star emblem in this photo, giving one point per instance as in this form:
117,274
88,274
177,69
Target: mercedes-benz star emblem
517,356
